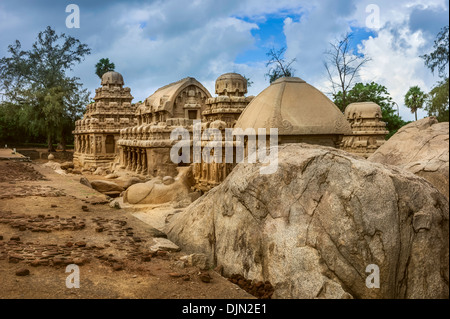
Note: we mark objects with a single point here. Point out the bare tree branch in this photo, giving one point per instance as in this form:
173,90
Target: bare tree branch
342,63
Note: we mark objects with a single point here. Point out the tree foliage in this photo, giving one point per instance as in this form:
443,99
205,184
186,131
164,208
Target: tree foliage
343,66
438,100
37,95
437,103
414,99
377,93
103,66
438,59
278,65
249,81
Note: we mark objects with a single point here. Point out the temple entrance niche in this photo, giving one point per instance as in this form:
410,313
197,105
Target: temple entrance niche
192,114
110,144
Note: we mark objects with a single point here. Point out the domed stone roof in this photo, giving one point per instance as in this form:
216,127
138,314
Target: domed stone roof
112,77
368,110
231,83
295,108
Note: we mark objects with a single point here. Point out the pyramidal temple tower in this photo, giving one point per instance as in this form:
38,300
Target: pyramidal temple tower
96,134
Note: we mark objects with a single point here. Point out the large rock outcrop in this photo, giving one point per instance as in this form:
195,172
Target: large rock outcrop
421,147
313,227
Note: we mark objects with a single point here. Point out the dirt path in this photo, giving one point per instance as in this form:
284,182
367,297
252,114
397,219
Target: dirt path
44,227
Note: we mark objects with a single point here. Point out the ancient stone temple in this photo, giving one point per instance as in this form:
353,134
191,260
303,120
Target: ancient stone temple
145,147
368,129
231,100
97,133
221,112
300,112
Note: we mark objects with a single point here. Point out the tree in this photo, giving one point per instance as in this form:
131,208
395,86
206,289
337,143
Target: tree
278,65
414,99
104,66
36,89
249,82
438,59
343,66
373,92
437,103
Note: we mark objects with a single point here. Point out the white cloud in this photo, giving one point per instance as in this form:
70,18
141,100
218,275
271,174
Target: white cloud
396,64
157,42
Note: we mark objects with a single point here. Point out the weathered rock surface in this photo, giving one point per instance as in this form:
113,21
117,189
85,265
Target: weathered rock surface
163,244
85,182
421,147
312,228
67,165
127,182
196,260
106,186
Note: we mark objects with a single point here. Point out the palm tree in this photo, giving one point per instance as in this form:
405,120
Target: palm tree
414,99
103,66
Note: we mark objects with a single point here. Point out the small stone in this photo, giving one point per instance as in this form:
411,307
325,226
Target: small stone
22,272
205,277
79,261
85,208
161,253
186,278
53,206
1,237
117,267
80,244
69,244
22,228
99,229
219,270
146,258
35,263
15,238
58,261
175,275
179,264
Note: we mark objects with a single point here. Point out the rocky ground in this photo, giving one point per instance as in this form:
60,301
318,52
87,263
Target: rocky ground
48,221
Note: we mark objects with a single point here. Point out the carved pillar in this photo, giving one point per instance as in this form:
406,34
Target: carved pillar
129,159
144,161
133,159
123,159
138,161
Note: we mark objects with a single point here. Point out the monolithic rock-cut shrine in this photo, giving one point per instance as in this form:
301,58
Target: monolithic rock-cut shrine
301,113
96,135
221,112
368,129
231,100
145,148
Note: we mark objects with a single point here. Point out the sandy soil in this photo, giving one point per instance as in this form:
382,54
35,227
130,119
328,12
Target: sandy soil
44,227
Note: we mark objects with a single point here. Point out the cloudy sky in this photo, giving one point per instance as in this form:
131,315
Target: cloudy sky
153,43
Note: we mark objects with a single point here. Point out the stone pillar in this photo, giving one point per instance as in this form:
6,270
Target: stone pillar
123,156
129,159
104,144
144,161
133,159
138,161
